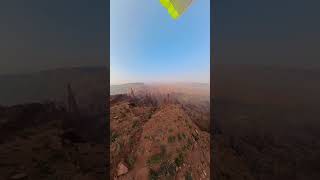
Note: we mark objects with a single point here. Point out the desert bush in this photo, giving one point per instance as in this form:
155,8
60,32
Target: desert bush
171,139
130,161
155,159
188,145
179,160
114,136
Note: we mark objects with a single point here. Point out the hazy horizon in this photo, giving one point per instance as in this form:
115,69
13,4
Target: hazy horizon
162,82
147,45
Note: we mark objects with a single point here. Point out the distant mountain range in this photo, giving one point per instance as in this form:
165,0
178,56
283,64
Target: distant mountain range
88,83
123,88
162,88
242,82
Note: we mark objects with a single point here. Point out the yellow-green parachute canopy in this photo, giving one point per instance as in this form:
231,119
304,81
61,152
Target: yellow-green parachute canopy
176,7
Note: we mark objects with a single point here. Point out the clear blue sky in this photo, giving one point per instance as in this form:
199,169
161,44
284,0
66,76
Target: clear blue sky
147,45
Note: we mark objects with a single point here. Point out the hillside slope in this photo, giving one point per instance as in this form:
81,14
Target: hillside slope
156,142
35,144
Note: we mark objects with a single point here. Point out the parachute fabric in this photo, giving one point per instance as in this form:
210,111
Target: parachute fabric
176,7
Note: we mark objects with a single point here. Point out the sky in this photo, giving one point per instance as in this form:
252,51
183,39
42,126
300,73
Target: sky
47,34
147,45
272,32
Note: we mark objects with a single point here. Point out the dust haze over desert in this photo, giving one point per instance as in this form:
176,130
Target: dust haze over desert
191,88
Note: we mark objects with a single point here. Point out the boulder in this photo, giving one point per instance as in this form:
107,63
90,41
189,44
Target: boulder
122,169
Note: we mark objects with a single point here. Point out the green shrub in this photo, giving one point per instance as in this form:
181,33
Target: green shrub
114,136
179,160
171,139
188,145
130,161
155,159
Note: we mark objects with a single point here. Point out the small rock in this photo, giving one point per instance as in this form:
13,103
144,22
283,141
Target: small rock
122,169
204,173
136,119
19,176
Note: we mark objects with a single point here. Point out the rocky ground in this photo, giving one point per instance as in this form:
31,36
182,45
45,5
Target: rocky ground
262,142
160,141
43,149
